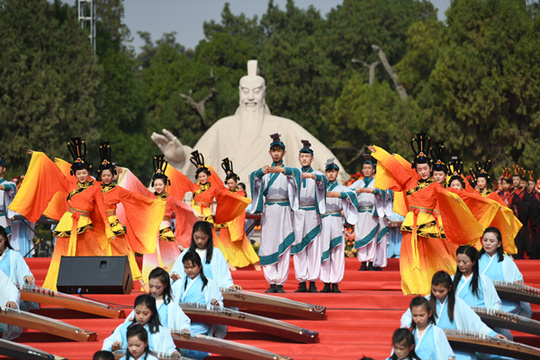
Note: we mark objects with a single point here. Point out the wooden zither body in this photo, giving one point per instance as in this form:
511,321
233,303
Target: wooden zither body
475,342
517,292
250,301
228,349
44,324
24,352
54,298
501,319
225,316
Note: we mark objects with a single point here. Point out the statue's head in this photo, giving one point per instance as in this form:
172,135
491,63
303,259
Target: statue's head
252,88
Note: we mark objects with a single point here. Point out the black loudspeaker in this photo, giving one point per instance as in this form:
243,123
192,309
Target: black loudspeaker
94,275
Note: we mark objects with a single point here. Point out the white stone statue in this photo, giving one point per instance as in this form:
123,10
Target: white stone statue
245,137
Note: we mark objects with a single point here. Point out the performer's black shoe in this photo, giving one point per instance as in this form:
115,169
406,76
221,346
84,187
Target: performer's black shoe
363,267
327,288
271,289
377,268
313,287
302,287
335,288
279,289
370,266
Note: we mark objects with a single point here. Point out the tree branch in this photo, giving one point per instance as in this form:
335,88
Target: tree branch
400,89
371,68
199,106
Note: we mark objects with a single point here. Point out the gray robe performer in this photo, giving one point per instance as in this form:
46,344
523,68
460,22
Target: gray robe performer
280,186
338,198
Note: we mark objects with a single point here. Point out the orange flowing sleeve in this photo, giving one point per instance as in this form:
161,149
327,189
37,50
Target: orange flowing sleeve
58,204
236,226
42,181
98,215
141,235
129,181
460,225
180,183
393,173
229,206
184,221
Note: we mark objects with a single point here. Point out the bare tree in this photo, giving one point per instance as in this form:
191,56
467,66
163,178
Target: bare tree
400,89
371,67
199,105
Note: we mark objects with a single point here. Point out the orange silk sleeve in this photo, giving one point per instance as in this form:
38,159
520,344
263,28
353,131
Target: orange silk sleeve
42,181
184,221
141,235
180,183
460,226
229,206
392,173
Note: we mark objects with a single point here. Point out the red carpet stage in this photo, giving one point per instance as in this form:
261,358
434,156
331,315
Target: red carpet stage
359,322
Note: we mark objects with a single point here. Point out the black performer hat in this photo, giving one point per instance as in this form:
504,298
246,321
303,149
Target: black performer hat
422,147
331,165
306,147
227,166
456,169
160,165
481,170
438,153
197,159
77,148
276,141
106,158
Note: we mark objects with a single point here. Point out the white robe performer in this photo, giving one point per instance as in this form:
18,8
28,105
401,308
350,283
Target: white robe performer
307,227
332,237
7,194
9,293
277,235
371,230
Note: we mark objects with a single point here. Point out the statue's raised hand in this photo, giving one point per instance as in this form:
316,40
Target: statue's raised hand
170,146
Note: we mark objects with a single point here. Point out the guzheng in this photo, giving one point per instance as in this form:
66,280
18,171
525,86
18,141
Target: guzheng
226,348
225,316
44,324
517,291
475,342
502,319
118,354
49,297
246,300
24,352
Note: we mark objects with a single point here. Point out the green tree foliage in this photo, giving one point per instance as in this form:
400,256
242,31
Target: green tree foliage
487,82
49,80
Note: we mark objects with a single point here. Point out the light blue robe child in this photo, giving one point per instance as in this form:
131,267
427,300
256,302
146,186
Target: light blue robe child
9,292
217,270
487,294
464,319
161,341
505,270
433,344
171,316
192,291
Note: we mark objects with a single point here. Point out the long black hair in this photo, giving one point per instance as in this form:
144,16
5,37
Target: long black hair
421,301
150,302
406,335
206,228
472,254
195,260
442,278
163,277
500,250
140,332
4,234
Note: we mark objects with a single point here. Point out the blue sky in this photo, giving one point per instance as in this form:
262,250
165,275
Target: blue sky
186,17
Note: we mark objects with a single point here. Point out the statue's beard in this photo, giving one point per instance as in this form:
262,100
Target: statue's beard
251,122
